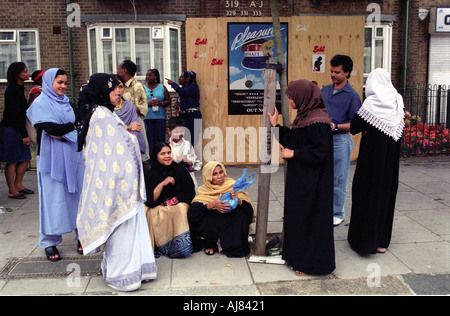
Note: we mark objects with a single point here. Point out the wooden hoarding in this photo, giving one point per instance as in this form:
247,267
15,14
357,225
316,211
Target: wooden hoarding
312,40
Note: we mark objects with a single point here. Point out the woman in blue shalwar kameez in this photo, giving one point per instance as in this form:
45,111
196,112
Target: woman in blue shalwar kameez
60,167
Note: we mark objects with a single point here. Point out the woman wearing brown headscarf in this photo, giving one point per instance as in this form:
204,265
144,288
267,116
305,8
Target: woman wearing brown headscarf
308,245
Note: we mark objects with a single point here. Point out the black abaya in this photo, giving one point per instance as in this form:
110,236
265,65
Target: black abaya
374,188
308,244
230,228
183,189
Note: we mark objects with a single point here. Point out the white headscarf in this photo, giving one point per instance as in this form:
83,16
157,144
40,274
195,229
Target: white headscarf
383,106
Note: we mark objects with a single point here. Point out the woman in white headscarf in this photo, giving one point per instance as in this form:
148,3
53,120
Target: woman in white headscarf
375,183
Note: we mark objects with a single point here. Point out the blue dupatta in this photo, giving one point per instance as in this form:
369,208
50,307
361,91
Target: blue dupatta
58,158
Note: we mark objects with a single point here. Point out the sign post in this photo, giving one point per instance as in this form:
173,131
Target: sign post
270,73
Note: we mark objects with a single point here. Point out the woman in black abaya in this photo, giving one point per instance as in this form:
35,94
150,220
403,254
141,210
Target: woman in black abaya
170,190
211,219
308,245
375,183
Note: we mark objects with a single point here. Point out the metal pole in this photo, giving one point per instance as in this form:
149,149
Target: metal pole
262,212
405,51
283,75
72,75
447,121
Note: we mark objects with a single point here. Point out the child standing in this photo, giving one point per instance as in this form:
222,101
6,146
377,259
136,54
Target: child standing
182,150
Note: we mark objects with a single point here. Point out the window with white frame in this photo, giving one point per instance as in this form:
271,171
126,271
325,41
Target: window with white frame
148,45
377,48
19,45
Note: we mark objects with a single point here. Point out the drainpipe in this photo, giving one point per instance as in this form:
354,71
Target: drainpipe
405,53
72,75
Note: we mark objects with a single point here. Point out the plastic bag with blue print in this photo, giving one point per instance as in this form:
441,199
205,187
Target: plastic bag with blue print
241,184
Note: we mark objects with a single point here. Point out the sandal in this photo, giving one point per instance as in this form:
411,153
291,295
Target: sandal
300,273
209,252
79,248
52,252
18,196
26,191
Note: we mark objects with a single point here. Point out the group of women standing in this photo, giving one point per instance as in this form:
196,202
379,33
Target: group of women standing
108,199
308,245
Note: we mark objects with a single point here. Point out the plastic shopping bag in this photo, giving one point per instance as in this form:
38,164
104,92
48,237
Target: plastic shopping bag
241,184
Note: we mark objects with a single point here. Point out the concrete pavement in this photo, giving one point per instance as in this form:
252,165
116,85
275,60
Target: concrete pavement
416,263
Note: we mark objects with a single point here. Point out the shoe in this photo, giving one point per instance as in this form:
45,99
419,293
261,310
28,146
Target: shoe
337,221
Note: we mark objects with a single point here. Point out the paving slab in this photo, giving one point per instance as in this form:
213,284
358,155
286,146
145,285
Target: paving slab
406,230
199,269
426,284
424,257
352,265
389,285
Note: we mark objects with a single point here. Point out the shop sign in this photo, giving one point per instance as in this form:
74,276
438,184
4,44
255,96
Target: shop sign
442,20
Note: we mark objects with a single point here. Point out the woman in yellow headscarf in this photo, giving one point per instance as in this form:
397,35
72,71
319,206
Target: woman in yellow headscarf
211,219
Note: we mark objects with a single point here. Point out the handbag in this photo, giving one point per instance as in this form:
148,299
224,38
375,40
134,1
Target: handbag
241,184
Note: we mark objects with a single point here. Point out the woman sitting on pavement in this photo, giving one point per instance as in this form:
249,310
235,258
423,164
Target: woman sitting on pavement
170,189
211,220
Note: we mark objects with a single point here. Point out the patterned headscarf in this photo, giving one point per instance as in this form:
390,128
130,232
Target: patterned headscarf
309,102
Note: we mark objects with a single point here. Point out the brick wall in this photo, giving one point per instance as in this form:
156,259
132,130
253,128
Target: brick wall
417,66
41,15
50,15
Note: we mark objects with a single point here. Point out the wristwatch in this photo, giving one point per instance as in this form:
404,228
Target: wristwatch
336,127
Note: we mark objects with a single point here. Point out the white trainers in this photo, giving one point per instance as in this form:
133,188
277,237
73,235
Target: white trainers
337,221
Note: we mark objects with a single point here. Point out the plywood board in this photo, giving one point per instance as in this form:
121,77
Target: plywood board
231,138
